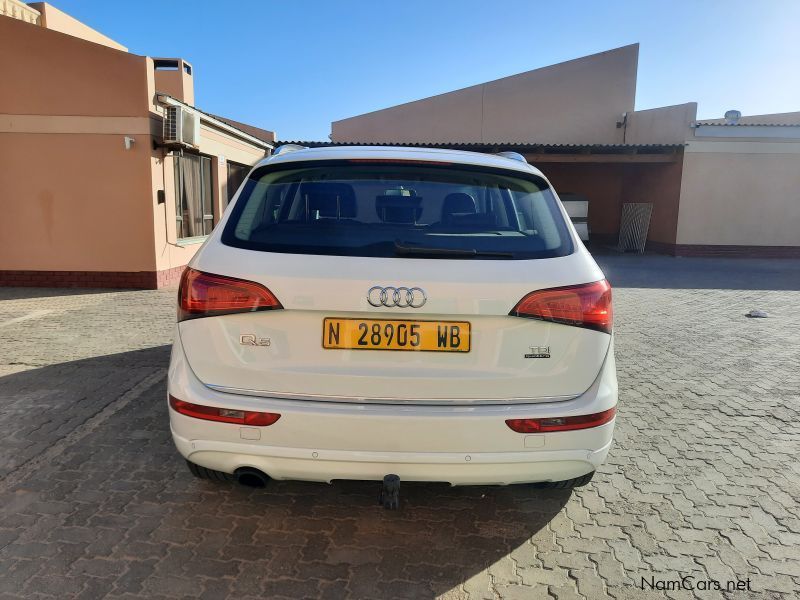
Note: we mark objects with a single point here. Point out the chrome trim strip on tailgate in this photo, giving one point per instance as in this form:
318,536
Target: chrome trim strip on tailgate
364,400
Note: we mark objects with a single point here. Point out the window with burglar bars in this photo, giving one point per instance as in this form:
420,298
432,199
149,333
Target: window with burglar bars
194,198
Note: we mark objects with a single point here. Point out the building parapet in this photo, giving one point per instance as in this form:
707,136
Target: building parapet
19,10
787,131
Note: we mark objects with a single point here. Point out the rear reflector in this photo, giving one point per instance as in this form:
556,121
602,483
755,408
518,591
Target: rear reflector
561,423
587,305
223,415
205,295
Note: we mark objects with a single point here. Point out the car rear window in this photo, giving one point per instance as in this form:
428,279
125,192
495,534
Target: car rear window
403,209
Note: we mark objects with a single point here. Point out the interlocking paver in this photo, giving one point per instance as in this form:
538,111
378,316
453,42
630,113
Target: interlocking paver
702,479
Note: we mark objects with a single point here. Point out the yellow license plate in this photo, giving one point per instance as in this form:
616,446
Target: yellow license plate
396,334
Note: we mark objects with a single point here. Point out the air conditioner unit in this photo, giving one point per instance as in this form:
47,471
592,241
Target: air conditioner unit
181,126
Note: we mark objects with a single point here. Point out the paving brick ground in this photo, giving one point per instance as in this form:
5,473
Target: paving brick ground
703,479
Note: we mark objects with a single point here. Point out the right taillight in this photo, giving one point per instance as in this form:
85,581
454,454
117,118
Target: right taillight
587,305
205,295
550,424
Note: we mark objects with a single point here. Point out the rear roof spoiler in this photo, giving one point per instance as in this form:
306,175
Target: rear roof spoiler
286,148
513,156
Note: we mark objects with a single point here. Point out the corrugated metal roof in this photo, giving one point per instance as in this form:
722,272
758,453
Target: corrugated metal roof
514,146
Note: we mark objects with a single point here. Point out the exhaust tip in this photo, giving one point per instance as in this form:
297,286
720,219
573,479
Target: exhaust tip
250,477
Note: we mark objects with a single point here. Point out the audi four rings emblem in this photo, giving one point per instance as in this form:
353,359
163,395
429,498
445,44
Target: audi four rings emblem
400,297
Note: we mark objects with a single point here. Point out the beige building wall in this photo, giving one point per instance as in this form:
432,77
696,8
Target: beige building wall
740,193
80,174
575,102
71,194
59,215
56,20
57,74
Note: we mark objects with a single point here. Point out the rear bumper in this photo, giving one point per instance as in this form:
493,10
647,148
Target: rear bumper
455,468
323,441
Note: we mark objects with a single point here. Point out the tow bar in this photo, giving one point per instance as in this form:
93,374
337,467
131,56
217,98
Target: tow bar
390,492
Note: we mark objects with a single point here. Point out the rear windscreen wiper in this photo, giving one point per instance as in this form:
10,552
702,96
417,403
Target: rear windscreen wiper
403,248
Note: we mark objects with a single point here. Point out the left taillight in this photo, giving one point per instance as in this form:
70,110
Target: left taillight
205,295
223,415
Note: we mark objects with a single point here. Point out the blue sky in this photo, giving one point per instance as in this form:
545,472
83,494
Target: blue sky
295,66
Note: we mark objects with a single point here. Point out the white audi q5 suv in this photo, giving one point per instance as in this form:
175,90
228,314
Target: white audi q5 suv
363,312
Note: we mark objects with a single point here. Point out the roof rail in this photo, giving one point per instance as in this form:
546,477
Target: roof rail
513,156
283,149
